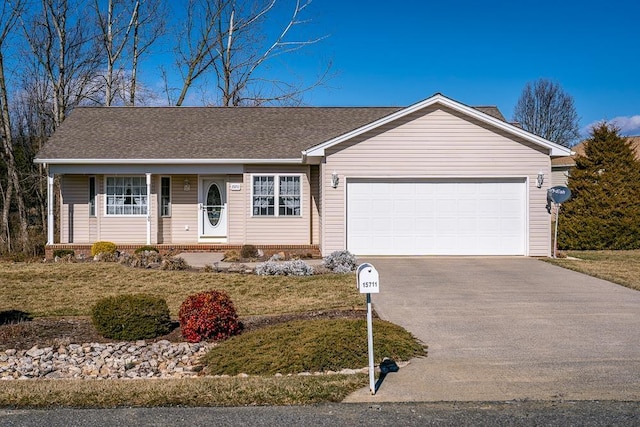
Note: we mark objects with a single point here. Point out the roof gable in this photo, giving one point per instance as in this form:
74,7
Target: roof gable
477,113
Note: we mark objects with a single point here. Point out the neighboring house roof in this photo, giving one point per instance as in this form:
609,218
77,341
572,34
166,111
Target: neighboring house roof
491,110
578,150
92,135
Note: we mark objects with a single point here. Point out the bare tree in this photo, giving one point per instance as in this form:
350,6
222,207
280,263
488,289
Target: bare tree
546,110
64,51
229,38
115,24
195,50
128,28
148,26
33,124
9,14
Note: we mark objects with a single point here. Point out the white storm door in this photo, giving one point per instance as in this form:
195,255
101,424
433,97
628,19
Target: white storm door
212,220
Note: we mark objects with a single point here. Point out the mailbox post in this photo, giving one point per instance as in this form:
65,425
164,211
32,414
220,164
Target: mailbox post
368,282
558,195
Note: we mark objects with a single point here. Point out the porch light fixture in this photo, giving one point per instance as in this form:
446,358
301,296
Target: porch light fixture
540,179
187,186
335,179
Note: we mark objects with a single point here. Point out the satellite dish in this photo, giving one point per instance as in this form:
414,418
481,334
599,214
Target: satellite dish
559,194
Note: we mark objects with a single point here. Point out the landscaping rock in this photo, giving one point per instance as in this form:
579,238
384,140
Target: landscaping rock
161,359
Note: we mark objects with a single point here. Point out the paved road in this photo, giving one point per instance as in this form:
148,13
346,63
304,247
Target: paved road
387,414
508,328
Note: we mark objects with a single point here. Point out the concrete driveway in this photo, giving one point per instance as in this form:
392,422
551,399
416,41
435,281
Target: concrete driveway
508,328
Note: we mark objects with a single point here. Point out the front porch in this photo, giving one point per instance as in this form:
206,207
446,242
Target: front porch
85,249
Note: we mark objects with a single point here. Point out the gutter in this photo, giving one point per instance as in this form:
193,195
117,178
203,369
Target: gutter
165,161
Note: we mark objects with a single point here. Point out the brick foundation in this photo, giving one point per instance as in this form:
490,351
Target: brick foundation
85,249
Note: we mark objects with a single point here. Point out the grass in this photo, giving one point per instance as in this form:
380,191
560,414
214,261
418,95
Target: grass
295,390
72,289
310,346
621,267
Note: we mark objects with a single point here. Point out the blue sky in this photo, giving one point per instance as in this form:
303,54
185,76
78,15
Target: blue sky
479,53
396,53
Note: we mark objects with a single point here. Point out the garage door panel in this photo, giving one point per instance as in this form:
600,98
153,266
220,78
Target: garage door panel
441,217
404,227
467,207
467,226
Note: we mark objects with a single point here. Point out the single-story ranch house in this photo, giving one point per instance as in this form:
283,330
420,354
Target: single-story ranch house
435,178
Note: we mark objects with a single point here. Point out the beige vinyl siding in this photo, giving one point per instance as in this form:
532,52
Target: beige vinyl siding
74,209
164,230
184,209
278,229
435,142
236,209
314,203
559,175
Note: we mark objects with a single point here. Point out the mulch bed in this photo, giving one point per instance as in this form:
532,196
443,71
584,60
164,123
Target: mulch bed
53,331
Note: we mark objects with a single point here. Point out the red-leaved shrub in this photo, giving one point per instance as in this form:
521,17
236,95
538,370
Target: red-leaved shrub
208,315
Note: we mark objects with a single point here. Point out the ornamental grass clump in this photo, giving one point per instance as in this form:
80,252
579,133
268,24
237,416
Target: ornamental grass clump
131,317
340,262
208,315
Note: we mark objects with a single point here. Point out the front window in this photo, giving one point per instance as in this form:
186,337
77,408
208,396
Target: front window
289,200
264,196
276,195
126,195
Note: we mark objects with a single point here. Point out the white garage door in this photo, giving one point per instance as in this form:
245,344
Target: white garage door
436,217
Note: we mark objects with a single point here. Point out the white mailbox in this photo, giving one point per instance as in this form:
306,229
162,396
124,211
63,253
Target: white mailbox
368,279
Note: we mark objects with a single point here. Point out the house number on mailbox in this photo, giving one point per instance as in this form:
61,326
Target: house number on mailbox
368,279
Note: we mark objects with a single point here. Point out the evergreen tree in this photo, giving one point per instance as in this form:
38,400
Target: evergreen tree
604,211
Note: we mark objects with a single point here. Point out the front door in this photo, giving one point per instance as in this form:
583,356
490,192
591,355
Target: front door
212,220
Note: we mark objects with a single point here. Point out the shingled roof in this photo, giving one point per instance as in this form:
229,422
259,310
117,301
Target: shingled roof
201,132
492,111
176,133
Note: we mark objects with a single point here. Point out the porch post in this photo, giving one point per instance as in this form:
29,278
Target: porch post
148,208
50,220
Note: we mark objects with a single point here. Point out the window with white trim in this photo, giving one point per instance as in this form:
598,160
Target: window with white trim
276,195
165,196
126,195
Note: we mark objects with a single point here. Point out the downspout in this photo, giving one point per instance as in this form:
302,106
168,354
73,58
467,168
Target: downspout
148,208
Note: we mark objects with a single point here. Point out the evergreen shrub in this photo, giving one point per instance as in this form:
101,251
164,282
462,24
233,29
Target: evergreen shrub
131,317
103,248
604,209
